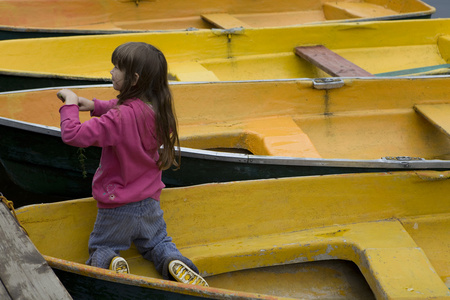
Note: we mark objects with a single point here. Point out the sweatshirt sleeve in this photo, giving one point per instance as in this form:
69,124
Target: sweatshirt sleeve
100,132
102,107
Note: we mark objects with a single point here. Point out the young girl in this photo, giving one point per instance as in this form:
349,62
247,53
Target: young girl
127,184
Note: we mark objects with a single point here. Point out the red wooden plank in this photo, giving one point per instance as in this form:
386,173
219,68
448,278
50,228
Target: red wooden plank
330,62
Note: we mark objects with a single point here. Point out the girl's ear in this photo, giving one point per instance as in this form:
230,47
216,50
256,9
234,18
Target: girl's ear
135,79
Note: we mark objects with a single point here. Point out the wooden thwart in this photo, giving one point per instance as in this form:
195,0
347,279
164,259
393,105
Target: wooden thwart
191,71
436,114
24,273
330,62
224,21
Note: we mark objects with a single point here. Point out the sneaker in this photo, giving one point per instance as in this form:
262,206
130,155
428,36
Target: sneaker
120,265
184,274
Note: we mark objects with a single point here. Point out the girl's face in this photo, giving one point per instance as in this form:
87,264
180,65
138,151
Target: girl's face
117,77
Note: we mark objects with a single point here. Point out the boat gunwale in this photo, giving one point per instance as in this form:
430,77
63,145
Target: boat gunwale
150,282
33,74
298,80
384,162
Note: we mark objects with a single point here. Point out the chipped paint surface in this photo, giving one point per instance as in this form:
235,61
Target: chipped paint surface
90,16
374,229
232,57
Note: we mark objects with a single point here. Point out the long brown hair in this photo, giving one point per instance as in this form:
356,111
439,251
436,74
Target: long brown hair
152,87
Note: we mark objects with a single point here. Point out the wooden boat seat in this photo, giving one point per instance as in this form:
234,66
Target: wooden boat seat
349,10
191,71
224,21
275,136
385,253
331,62
281,136
436,114
443,43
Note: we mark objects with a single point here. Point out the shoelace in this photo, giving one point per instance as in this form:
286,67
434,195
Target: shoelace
122,269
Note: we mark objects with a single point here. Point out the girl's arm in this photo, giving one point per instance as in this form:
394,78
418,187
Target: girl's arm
69,97
85,104
102,107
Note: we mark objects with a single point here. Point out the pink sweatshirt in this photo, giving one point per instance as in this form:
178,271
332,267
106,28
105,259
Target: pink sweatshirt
128,171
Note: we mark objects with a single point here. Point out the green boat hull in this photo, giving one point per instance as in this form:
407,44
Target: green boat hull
39,162
84,287
15,83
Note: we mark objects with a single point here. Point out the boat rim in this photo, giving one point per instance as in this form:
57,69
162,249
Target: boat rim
402,162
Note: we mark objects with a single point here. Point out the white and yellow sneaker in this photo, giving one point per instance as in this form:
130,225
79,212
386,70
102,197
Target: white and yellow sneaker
184,274
120,265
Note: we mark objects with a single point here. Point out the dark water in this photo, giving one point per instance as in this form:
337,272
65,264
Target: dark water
442,8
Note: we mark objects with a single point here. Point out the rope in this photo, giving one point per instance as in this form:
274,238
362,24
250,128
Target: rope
10,205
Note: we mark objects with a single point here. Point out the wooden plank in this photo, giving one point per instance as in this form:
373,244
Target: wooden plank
224,21
436,114
3,292
24,273
330,62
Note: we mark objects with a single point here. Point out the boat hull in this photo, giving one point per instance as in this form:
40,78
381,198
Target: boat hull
239,54
58,18
392,226
292,129
84,287
54,168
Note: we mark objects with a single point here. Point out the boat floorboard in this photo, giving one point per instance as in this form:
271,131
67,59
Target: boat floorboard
385,253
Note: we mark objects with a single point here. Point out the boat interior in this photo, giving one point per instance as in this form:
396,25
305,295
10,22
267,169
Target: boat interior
230,55
318,241
397,60
200,14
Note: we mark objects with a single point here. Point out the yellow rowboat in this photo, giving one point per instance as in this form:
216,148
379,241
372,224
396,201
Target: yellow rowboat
391,48
57,17
248,130
354,236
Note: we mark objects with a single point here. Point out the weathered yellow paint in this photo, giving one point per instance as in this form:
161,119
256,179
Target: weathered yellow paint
432,234
179,14
437,114
364,119
278,136
248,54
224,21
444,47
192,71
350,10
393,226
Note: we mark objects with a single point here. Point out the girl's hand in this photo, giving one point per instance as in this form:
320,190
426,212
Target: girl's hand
68,97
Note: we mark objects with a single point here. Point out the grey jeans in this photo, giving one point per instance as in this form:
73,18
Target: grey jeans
140,222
